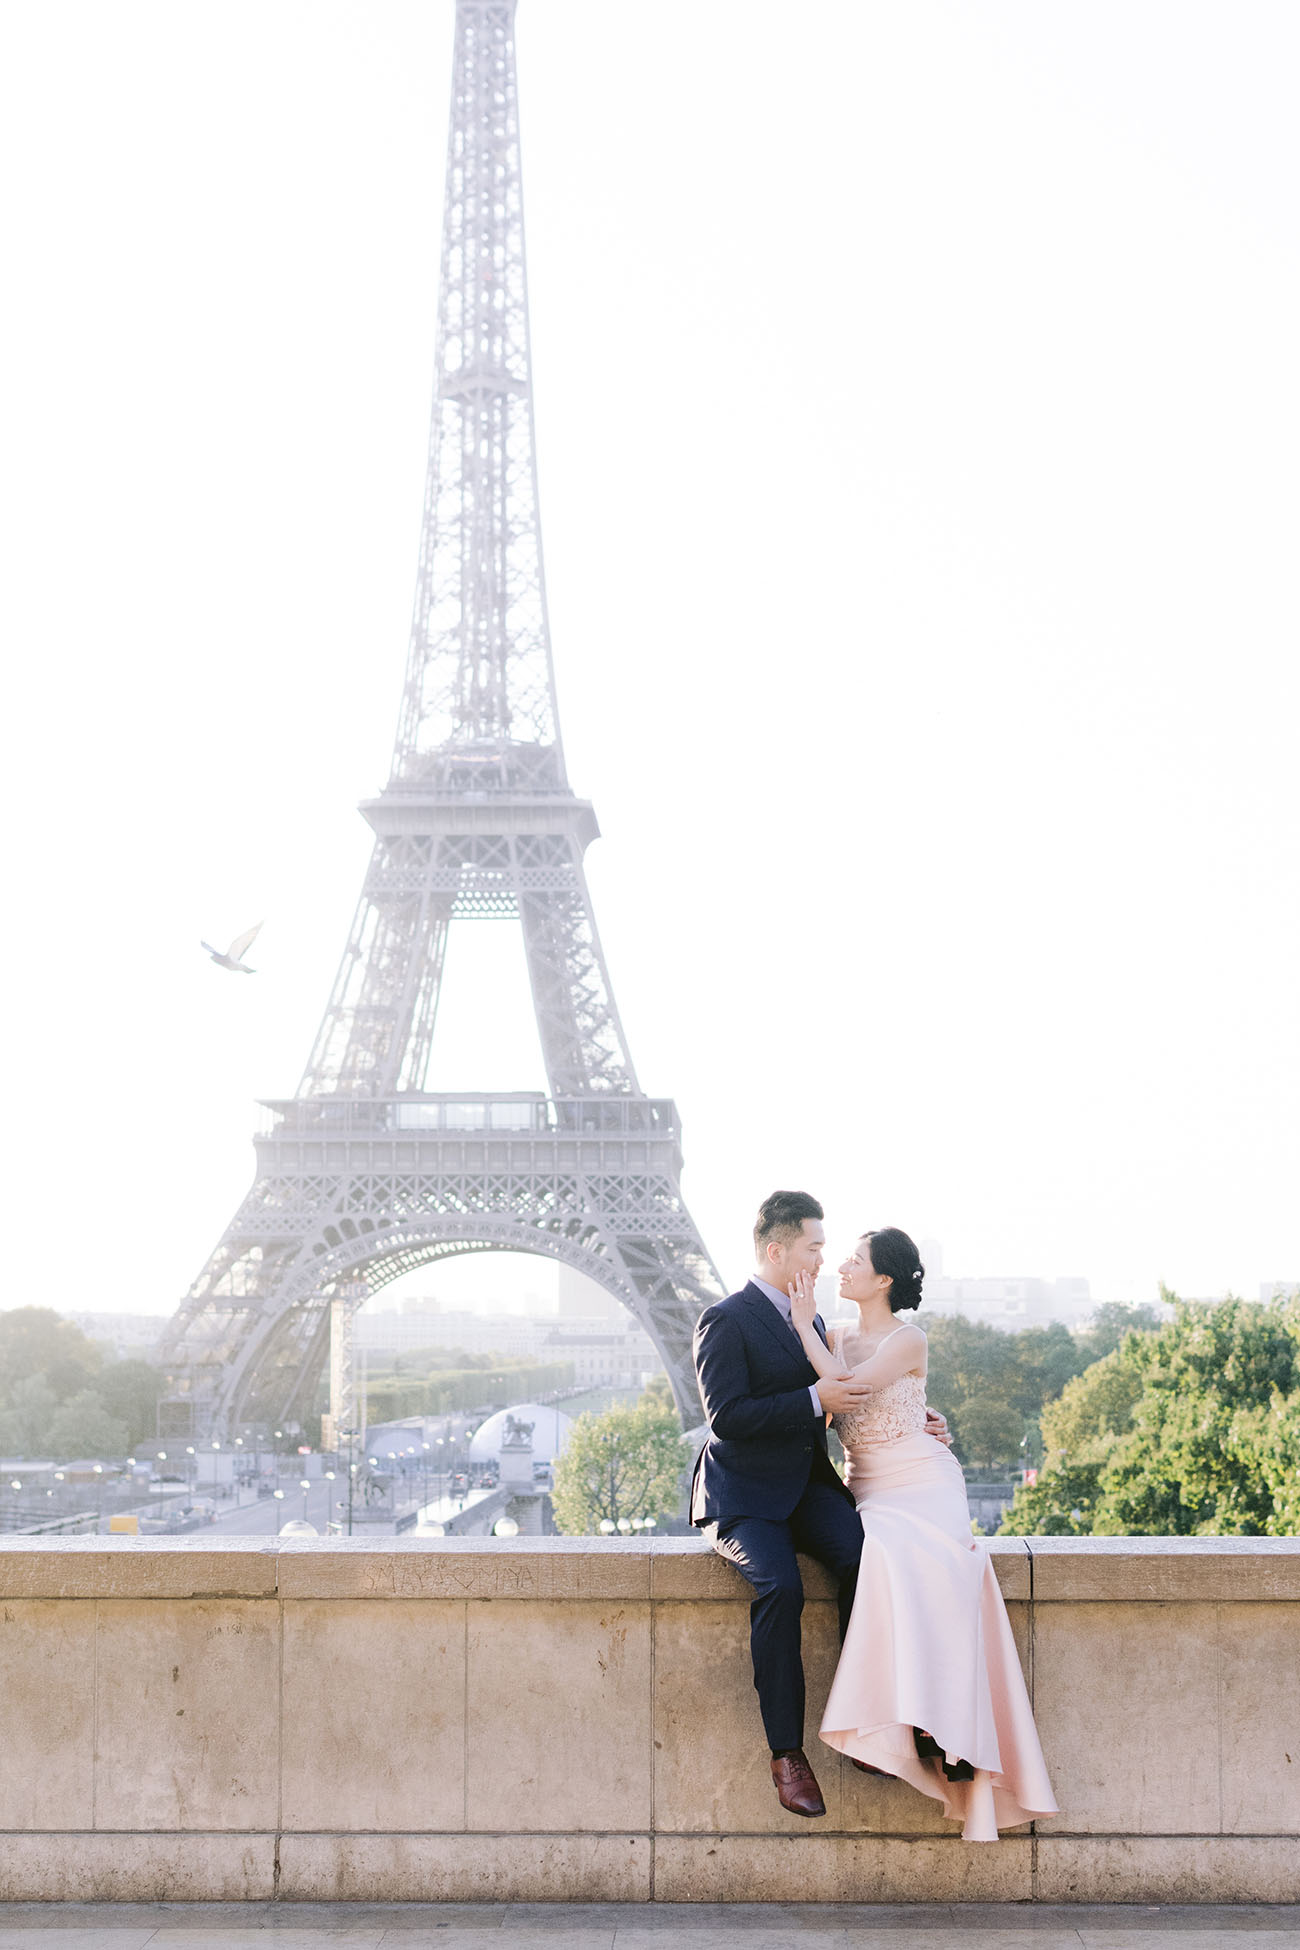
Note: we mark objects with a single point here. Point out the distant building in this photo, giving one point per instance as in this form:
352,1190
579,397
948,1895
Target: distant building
1010,1303
125,1336
605,1353
402,1333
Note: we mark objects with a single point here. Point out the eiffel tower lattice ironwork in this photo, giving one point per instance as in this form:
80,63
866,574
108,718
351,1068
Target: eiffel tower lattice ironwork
364,1174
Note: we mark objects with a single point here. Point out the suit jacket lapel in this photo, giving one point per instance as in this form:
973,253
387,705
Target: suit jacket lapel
766,1313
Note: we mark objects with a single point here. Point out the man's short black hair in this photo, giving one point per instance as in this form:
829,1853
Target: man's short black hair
781,1216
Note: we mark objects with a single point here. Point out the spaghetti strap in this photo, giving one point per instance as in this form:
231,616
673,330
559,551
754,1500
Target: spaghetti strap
837,1339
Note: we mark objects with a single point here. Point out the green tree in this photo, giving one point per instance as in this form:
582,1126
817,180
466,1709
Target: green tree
25,1423
626,1463
389,1398
1187,1431
1093,1411
35,1341
658,1390
1059,1504
129,1391
82,1426
1270,1437
989,1432
975,1369
1112,1321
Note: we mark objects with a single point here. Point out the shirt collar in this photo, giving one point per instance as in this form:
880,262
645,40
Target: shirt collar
781,1301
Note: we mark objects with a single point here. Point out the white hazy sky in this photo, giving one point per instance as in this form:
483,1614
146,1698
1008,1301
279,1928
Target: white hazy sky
918,410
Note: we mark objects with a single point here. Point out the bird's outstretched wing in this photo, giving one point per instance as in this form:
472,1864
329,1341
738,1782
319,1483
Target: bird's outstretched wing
216,952
241,944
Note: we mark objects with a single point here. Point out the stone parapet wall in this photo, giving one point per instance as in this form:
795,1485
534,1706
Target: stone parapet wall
573,1720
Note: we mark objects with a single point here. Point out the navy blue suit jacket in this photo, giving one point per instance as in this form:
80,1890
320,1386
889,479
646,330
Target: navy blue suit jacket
766,1440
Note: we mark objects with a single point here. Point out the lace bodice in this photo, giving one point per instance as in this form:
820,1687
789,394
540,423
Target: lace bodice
892,1412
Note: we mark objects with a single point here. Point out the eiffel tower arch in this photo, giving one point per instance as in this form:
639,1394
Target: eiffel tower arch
364,1174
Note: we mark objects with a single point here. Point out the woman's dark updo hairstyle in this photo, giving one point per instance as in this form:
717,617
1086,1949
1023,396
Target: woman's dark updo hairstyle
895,1255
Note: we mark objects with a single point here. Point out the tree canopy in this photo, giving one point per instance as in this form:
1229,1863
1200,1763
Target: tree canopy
59,1396
38,1341
993,1385
624,1464
390,1397
1192,1430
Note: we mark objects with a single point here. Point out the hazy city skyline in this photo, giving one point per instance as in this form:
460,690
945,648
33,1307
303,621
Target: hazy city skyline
915,435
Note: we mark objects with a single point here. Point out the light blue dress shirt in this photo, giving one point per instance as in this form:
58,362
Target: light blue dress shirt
781,1301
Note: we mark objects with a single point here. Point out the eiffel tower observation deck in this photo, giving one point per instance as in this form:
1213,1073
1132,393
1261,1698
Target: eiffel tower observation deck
365,1175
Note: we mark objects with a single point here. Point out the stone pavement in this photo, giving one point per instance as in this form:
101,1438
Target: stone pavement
641,1926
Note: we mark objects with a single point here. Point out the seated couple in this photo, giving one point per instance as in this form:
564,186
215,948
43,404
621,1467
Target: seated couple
928,1688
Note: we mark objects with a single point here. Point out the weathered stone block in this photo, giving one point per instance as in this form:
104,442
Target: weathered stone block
558,1702
1164,1569
1127,1705
1260,1719
711,1758
188,1714
374,1715
96,1868
526,1568
1166,1869
465,1868
47,1714
812,1868
137,1567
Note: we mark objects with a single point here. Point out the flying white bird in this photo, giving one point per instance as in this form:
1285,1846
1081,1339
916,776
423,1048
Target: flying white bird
234,955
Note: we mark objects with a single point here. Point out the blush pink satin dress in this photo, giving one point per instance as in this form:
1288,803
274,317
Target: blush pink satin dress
929,1643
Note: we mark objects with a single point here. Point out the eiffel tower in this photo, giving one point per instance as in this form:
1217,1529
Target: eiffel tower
365,1174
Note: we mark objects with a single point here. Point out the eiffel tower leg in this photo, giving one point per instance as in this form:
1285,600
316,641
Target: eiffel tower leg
582,1038
378,1024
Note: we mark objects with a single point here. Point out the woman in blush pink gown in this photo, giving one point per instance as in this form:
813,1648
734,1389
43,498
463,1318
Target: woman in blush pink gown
929,1686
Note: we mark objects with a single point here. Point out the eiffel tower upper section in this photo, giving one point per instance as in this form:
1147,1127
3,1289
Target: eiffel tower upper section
477,817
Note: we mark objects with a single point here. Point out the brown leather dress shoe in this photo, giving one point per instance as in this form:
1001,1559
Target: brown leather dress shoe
796,1784
865,1767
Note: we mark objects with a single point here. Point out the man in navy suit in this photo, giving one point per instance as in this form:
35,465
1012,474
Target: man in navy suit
764,1476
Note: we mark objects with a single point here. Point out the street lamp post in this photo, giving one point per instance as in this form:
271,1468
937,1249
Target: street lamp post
304,1485
352,1472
